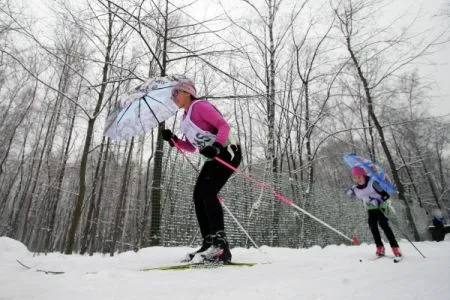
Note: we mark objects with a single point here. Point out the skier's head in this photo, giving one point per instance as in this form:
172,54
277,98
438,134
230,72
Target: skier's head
436,212
358,171
184,92
359,175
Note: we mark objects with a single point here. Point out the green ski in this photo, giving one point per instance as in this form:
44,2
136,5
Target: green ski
199,266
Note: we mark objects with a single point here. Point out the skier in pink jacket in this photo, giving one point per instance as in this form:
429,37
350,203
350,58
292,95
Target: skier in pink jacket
205,130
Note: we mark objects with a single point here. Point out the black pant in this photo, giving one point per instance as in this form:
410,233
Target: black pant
438,231
378,217
210,181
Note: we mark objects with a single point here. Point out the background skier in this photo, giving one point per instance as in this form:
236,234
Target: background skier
374,198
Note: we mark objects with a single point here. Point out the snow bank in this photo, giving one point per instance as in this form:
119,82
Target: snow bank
333,272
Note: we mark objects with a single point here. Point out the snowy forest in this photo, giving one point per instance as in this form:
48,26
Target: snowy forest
301,83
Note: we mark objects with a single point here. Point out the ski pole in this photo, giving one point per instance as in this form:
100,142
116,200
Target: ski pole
235,220
286,200
219,198
403,232
239,224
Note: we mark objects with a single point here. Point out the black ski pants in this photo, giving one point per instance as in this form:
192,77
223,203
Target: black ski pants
210,181
378,217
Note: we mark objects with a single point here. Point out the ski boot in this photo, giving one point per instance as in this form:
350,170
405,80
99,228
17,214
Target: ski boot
396,251
380,251
219,250
207,242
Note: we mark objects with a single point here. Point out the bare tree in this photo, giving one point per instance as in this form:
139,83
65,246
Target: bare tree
367,50
268,42
108,44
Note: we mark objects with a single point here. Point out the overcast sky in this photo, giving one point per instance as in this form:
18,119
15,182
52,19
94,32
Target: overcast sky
439,69
425,13
436,69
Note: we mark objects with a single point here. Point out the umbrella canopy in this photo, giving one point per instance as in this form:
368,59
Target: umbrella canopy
143,108
373,169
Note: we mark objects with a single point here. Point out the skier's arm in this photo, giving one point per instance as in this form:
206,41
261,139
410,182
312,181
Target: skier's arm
350,191
384,195
172,139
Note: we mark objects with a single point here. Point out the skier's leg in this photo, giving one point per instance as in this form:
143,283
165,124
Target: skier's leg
217,176
384,224
202,218
200,210
373,225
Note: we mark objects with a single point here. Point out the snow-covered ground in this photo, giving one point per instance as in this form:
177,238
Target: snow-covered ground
333,272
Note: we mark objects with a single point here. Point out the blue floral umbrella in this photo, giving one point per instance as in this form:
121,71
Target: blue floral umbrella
373,169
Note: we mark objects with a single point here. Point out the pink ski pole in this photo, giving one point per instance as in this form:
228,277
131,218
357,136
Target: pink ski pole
354,240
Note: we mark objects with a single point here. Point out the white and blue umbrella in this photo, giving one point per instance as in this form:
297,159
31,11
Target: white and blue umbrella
143,108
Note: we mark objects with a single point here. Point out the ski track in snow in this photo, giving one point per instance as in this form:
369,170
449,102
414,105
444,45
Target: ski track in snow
333,272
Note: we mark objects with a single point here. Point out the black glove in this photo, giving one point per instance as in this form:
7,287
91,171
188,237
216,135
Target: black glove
384,195
212,150
168,136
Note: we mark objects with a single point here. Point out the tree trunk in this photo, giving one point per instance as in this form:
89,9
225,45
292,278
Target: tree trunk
395,175
120,211
93,234
416,192
54,206
88,229
89,135
155,195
